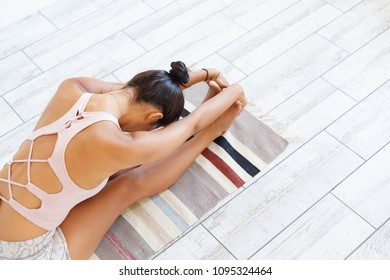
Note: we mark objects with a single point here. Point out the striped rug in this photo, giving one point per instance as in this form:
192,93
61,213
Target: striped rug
227,164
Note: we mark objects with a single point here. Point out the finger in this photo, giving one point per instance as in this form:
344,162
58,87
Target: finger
215,86
239,107
222,84
222,81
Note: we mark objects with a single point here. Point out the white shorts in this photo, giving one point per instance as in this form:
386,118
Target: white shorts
50,246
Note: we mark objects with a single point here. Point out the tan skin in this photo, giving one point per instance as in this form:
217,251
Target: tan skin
135,161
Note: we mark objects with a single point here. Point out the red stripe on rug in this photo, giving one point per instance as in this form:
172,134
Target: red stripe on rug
223,167
118,245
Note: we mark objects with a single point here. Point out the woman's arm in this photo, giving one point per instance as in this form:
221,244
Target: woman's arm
147,146
91,85
206,75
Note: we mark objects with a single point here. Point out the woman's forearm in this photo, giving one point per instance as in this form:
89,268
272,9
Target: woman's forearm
211,109
200,76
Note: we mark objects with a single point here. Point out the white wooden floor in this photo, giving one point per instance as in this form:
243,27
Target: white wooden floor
319,68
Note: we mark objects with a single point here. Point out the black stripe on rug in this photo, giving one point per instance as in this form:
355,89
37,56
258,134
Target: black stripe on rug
239,158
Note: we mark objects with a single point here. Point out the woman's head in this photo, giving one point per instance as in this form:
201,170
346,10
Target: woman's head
161,89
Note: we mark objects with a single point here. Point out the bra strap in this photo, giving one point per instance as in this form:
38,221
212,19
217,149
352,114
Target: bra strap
83,102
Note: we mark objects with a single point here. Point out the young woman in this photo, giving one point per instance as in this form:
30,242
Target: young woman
57,200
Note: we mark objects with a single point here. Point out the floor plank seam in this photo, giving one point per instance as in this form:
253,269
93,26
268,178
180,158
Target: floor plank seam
223,245
287,226
350,208
256,26
81,18
337,8
46,18
279,55
365,240
334,43
33,62
352,53
346,146
324,79
138,44
153,8
12,108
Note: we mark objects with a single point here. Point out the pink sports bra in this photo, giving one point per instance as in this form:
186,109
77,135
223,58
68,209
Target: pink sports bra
55,207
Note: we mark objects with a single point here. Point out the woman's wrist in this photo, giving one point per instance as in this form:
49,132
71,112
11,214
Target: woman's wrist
211,74
203,75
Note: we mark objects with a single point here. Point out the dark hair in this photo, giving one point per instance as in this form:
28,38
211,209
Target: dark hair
161,89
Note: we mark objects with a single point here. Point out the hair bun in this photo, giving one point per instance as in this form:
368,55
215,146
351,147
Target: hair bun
179,73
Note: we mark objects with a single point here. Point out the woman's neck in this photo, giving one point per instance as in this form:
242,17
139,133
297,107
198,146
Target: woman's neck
121,100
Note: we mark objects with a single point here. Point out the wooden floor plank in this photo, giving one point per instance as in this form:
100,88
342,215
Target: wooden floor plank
377,247
328,231
90,30
255,216
198,244
359,25
279,34
365,70
367,190
366,129
292,71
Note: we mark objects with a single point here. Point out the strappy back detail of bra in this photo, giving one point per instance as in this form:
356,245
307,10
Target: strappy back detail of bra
55,207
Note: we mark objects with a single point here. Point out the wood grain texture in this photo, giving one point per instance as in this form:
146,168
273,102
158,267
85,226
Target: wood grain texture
328,231
30,29
15,70
377,247
14,10
158,4
359,25
250,13
173,20
86,32
343,5
367,190
366,129
277,35
292,71
200,41
9,120
311,110
255,216
65,12
365,70
198,244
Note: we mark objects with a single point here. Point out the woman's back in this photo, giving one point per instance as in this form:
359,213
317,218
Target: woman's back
55,168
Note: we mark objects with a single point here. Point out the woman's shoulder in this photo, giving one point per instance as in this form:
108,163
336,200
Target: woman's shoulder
68,91
112,143
61,102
